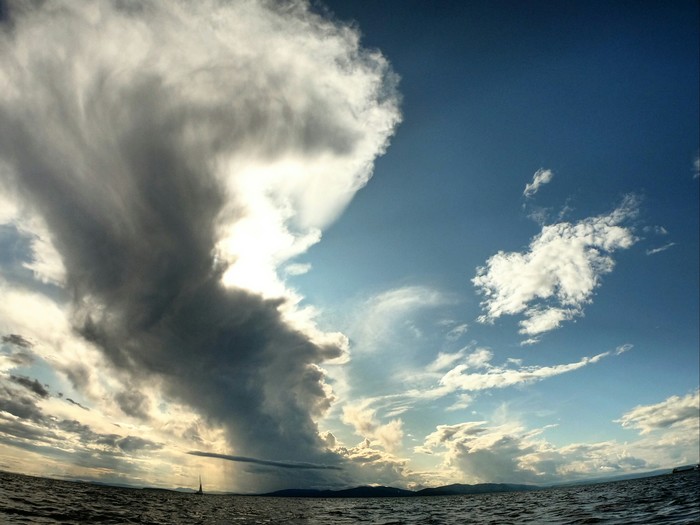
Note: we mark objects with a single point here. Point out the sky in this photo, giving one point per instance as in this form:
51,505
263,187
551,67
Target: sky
324,244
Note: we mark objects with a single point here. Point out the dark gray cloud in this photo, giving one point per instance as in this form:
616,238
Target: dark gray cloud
76,404
33,424
23,407
77,374
133,403
277,464
30,384
121,153
135,443
13,431
17,340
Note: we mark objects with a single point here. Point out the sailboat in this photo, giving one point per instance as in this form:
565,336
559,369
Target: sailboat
200,486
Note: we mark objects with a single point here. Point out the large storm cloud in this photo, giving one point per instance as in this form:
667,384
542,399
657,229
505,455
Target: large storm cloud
175,155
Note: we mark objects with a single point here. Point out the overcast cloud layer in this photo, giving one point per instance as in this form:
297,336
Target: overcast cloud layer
152,152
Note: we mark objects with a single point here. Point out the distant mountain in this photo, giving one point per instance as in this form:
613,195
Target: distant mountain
481,488
392,492
609,479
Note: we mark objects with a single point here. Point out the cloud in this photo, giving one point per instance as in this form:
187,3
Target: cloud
133,403
477,452
458,331
660,249
17,340
459,375
462,377
540,178
167,172
367,426
387,315
370,465
33,386
278,464
674,412
556,277
72,402
480,451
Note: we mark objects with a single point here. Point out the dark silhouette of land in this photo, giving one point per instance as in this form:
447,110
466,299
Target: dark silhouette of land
392,492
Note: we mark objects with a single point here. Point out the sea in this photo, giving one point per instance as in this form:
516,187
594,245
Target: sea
672,498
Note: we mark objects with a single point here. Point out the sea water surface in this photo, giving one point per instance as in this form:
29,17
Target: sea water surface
661,499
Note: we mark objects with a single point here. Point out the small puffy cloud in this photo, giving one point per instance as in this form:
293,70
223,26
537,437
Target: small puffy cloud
297,269
556,277
674,412
541,177
696,166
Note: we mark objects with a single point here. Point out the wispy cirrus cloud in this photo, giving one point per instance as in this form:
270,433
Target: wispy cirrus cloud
553,281
654,251
383,315
477,373
540,178
460,376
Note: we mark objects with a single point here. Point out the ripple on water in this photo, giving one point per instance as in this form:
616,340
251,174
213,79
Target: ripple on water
663,499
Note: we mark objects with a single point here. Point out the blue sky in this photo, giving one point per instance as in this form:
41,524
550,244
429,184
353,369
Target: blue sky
350,242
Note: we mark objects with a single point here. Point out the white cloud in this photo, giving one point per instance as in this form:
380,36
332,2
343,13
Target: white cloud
470,372
381,317
478,451
367,464
445,360
660,249
462,402
458,331
556,277
673,413
462,378
363,420
541,177
297,269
